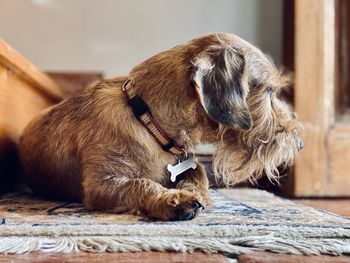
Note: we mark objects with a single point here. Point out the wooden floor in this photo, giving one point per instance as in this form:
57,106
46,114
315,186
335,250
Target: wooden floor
339,206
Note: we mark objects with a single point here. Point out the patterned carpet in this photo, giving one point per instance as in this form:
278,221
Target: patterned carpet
248,220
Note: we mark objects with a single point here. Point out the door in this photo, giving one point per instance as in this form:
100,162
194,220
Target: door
321,96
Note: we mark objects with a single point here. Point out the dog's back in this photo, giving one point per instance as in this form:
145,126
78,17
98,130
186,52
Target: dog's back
51,144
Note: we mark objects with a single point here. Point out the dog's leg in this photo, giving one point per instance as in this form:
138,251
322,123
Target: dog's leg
196,181
110,182
140,196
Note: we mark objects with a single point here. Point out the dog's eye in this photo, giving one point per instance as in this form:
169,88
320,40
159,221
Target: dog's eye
269,90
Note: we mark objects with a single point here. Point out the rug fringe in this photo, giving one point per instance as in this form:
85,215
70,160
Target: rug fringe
21,245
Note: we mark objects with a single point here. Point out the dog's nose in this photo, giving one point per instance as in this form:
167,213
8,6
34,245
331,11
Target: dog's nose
300,142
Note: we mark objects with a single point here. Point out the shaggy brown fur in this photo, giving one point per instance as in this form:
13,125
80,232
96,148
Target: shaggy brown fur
215,89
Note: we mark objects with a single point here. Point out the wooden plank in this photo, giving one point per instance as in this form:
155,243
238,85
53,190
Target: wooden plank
339,160
266,257
145,257
15,62
337,206
19,103
314,88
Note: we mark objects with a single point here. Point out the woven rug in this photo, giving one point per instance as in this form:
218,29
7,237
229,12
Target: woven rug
247,220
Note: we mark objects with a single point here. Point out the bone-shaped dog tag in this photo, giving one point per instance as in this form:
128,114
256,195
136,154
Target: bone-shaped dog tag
181,167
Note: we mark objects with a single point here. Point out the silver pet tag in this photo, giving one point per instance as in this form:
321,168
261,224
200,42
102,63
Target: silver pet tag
181,167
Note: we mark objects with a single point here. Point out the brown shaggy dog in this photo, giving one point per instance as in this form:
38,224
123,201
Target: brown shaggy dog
215,89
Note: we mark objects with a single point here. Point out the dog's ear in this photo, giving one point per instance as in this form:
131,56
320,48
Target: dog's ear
221,82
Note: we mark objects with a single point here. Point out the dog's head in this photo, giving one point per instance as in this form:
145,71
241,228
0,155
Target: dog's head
239,89
233,90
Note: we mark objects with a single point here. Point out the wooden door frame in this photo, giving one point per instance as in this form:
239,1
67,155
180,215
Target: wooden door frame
320,169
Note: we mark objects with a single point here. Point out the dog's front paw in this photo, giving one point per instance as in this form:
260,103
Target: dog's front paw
178,205
186,211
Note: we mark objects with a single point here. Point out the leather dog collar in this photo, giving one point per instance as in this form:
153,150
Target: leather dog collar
145,117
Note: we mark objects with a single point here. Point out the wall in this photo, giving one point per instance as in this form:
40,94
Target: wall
114,35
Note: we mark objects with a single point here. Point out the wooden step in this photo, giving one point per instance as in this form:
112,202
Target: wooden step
24,92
